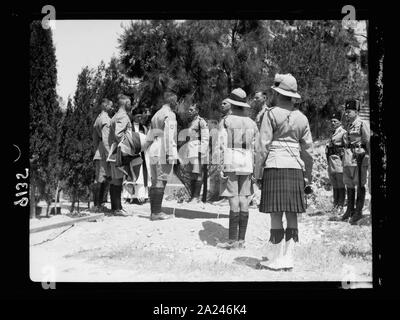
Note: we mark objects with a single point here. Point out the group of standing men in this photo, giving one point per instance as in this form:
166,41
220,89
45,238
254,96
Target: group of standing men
126,152
274,152
348,152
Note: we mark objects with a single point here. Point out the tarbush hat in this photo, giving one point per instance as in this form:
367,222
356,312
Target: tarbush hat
238,98
351,104
337,116
286,85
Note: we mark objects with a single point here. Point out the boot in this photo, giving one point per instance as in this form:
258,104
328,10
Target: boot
156,196
233,232
335,199
271,249
351,194
341,198
359,206
96,193
243,220
196,189
291,237
277,262
112,196
102,190
119,211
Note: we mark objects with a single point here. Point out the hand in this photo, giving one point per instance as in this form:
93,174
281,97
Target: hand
306,181
222,175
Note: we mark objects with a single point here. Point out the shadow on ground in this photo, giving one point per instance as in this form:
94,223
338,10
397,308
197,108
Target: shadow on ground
213,233
251,262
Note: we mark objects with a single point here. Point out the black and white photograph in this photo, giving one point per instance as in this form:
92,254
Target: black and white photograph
195,150
200,150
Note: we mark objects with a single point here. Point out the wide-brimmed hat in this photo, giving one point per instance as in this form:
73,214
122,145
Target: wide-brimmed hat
238,98
286,85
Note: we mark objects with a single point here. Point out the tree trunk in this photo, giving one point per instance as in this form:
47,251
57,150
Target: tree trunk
32,200
73,203
56,198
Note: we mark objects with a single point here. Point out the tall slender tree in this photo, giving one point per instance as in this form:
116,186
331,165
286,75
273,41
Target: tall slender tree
43,110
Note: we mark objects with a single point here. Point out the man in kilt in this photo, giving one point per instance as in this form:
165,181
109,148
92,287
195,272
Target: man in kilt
285,164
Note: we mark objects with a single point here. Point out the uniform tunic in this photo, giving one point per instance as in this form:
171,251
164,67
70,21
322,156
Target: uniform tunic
120,126
195,151
335,166
357,141
237,146
162,141
101,131
284,154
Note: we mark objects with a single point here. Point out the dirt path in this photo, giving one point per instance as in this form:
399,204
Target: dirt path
136,249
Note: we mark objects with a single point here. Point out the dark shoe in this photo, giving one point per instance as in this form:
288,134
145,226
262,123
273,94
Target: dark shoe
355,217
160,216
341,197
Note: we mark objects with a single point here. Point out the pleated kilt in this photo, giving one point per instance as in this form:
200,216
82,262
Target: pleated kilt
282,190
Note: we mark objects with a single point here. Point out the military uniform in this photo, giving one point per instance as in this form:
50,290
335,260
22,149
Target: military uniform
260,115
334,154
355,165
195,151
120,127
162,150
237,145
101,130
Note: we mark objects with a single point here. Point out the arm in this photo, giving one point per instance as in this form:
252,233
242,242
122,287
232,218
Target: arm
265,137
205,137
170,137
366,136
105,132
120,128
306,152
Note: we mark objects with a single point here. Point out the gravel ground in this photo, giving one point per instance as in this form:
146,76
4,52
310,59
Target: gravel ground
130,249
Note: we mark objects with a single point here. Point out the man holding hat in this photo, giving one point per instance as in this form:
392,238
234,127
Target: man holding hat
355,160
120,128
334,155
101,130
238,135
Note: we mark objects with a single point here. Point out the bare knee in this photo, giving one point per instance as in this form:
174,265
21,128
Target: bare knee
244,203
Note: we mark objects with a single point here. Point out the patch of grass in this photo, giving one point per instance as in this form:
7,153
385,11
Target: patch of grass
156,261
356,251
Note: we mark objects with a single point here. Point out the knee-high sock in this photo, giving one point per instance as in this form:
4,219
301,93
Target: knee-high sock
233,225
156,196
276,235
243,220
292,233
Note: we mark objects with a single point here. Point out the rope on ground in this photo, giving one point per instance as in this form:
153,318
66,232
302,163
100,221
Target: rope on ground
47,240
